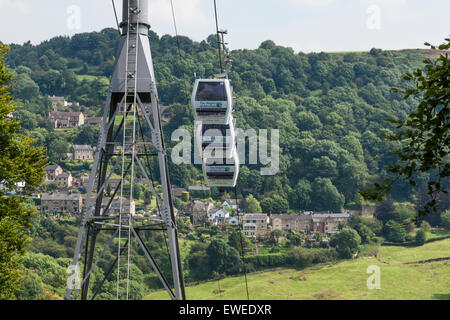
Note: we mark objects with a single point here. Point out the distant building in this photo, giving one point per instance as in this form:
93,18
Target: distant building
18,186
82,152
127,206
51,172
62,120
178,192
198,210
234,204
198,188
115,205
291,222
61,202
218,216
255,224
309,222
95,121
61,102
328,223
64,180
57,102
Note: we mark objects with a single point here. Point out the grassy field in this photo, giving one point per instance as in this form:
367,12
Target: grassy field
343,280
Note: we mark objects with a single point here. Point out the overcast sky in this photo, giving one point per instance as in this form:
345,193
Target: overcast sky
305,25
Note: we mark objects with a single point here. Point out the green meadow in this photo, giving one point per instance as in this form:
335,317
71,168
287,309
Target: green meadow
343,280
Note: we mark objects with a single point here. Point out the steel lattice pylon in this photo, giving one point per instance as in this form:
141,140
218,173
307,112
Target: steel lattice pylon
130,133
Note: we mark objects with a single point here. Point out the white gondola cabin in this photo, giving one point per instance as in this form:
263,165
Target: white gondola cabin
212,100
221,172
216,140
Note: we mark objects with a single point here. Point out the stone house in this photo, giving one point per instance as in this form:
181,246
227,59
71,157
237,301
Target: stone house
328,223
114,207
51,172
309,222
218,216
94,121
57,102
61,202
61,102
198,210
255,224
62,120
291,222
82,152
234,204
64,180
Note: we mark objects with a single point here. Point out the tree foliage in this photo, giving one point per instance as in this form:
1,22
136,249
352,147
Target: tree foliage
346,242
20,162
425,133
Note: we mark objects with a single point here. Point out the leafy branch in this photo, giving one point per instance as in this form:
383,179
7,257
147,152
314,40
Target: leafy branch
425,133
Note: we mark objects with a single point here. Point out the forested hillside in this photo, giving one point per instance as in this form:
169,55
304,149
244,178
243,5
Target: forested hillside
331,108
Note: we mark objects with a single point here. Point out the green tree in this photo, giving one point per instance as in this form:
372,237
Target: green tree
421,237
275,235
197,262
395,231
252,205
346,242
366,234
31,287
87,135
223,258
239,241
274,204
325,196
20,161
385,210
425,133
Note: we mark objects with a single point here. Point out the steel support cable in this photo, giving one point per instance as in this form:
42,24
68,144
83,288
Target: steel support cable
218,37
133,146
123,147
179,47
242,245
108,273
85,277
115,14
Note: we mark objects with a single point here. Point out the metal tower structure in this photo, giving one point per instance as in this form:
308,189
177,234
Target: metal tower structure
131,132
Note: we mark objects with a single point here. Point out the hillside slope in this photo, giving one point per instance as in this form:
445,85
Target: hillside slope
330,108
343,280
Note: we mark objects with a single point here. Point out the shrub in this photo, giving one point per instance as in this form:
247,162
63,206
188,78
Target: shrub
346,242
425,226
267,260
394,231
421,237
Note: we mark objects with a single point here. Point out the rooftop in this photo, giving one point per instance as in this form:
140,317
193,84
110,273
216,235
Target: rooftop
255,216
60,196
52,167
82,147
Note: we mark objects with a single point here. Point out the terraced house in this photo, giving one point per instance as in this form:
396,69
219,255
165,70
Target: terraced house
255,224
82,152
54,203
63,120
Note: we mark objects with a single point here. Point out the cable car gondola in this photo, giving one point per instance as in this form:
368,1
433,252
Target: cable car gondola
212,101
221,172
216,140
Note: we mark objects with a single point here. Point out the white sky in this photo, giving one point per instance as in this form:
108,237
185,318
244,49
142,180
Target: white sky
305,25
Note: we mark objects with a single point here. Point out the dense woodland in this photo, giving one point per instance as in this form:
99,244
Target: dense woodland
331,109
